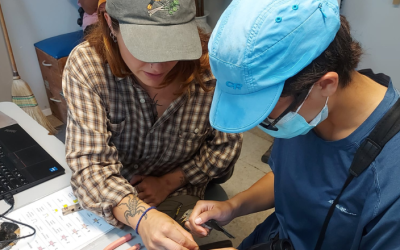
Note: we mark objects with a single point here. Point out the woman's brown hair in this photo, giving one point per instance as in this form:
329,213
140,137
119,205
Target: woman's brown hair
187,71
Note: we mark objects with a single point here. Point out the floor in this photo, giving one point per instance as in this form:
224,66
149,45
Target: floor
248,170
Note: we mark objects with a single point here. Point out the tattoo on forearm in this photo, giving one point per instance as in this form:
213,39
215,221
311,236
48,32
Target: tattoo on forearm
134,206
182,178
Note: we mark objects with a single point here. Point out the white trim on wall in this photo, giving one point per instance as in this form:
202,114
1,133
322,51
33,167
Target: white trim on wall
47,112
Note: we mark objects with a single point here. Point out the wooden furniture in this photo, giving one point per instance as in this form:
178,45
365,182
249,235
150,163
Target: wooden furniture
52,70
52,55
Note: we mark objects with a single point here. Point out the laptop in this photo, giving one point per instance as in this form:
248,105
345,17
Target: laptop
23,162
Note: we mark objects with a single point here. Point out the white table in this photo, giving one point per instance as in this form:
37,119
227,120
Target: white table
57,150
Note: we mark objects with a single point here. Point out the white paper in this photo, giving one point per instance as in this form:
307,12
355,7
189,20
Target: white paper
55,231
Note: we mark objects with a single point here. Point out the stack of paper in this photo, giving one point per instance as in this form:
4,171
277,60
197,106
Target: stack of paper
55,231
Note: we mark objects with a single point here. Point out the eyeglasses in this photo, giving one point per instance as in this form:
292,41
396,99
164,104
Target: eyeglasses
267,124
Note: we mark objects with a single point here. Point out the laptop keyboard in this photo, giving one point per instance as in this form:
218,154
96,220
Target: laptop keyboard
10,177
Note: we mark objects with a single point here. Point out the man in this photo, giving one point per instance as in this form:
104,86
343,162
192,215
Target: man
290,67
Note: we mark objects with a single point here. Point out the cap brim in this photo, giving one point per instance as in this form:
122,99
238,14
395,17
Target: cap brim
155,43
238,113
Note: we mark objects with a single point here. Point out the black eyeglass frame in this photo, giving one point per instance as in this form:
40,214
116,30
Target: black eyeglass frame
271,125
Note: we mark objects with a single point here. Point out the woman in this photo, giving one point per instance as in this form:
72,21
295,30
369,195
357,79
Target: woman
139,94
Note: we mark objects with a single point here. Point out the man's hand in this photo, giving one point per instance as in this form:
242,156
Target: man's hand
221,211
154,190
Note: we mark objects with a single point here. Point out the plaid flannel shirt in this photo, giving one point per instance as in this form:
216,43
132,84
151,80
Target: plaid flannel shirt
113,133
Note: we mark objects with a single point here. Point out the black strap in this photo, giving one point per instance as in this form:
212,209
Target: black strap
330,213
386,128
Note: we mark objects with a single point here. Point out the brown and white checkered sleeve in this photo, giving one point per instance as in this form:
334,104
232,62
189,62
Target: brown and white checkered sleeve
216,157
96,178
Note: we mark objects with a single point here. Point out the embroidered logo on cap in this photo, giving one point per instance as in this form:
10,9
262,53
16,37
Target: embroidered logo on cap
171,6
234,85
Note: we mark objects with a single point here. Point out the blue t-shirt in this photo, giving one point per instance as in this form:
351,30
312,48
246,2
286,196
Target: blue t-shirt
309,174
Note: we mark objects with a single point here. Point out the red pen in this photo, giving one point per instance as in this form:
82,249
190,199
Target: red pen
121,241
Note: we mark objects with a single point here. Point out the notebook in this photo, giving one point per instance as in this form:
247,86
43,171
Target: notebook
54,230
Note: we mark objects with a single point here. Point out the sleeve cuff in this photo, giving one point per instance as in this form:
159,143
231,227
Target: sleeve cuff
110,197
107,210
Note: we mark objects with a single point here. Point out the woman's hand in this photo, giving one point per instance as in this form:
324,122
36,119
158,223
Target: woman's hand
159,231
223,212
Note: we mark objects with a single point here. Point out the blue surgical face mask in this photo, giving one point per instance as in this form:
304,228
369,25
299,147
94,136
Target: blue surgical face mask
293,124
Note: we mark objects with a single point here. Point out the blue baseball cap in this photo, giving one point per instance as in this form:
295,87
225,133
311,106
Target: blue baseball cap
256,46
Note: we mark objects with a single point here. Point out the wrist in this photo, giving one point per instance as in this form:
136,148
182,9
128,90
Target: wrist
174,180
168,184
144,218
235,207
129,210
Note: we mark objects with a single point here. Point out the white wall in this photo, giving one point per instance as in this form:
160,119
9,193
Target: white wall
215,8
376,25
5,72
30,21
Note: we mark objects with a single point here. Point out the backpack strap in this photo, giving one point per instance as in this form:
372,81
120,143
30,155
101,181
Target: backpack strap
386,128
372,146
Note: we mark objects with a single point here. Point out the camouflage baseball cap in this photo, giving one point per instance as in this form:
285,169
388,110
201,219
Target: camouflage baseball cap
158,30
